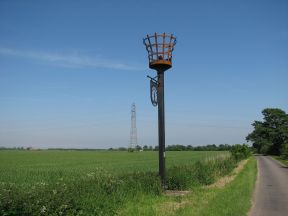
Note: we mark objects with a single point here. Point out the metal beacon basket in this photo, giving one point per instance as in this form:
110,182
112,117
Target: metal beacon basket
160,48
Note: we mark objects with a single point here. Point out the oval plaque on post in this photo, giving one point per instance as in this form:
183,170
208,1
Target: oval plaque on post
153,92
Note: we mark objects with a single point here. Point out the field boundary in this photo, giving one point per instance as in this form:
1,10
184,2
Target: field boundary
181,198
221,182
280,161
232,199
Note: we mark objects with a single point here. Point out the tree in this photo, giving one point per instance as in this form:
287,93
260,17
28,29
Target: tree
138,148
240,152
270,135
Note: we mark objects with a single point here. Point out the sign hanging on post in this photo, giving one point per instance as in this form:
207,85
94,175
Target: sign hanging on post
153,92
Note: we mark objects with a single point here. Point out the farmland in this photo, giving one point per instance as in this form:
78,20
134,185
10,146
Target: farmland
103,182
49,166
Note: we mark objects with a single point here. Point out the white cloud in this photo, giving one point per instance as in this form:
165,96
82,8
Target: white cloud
68,60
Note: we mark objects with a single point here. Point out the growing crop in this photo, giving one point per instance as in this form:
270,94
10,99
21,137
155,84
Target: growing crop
80,186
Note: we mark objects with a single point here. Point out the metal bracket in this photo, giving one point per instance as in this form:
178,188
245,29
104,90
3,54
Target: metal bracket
154,80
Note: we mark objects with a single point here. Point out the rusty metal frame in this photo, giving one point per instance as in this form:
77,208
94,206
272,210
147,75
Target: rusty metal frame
160,48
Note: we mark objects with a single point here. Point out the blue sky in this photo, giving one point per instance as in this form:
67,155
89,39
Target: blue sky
70,70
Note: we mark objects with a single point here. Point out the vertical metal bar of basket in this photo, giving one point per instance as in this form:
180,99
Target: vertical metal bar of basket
156,44
163,46
169,48
150,45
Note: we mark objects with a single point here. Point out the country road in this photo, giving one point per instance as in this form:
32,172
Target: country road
271,192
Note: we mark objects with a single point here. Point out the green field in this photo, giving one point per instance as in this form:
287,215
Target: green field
111,182
35,166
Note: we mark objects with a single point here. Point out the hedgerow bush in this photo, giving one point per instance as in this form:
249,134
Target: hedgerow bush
240,152
97,193
200,173
284,151
39,199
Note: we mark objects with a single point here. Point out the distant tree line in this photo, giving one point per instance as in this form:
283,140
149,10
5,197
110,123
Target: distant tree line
58,149
177,147
212,147
76,149
14,148
270,136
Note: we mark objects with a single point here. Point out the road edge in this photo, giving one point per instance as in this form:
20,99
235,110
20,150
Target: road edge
253,199
279,162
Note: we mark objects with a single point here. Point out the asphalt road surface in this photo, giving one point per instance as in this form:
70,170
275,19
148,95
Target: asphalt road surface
271,192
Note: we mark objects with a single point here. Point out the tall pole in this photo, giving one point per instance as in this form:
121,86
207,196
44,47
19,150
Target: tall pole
159,48
161,125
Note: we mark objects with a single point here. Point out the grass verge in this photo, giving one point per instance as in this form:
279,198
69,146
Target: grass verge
233,199
283,161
